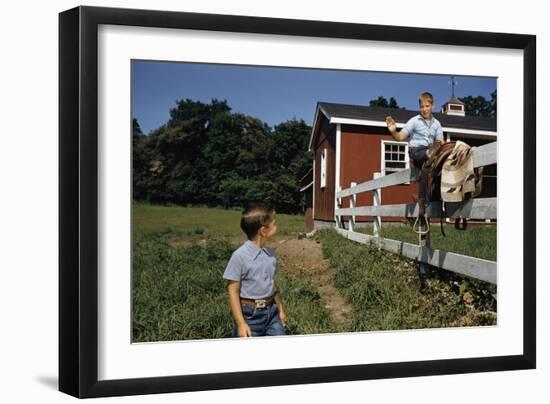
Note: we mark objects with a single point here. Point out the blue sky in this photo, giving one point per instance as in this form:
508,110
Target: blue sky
275,94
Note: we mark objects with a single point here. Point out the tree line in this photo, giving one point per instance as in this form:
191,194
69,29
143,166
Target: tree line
479,106
208,155
205,154
474,106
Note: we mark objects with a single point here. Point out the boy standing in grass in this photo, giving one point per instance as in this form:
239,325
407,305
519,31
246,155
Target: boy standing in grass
254,299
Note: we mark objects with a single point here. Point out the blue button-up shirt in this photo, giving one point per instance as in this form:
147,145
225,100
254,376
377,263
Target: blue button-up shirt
254,268
422,132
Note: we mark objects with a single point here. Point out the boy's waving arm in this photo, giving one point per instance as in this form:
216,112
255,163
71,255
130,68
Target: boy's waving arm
403,134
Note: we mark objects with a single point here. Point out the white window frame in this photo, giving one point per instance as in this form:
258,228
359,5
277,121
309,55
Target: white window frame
383,144
324,168
448,111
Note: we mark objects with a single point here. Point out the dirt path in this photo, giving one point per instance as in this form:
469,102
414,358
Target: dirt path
305,255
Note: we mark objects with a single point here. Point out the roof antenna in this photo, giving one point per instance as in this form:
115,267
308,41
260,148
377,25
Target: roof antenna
453,82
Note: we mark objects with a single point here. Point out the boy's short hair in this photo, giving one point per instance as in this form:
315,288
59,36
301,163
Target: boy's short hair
426,96
254,217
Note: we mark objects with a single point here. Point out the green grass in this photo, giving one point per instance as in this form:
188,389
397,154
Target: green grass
179,293
476,241
198,221
303,307
383,289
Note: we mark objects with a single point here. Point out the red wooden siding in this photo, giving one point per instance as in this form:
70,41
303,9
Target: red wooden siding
360,159
324,198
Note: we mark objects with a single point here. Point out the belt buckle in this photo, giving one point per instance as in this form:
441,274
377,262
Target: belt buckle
260,303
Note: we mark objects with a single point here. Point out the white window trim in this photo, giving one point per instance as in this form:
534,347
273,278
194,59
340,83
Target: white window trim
337,162
383,144
313,201
324,168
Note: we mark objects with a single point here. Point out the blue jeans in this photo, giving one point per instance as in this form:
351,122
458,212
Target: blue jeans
419,156
262,322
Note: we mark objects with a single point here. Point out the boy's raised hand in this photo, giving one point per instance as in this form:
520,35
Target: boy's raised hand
391,124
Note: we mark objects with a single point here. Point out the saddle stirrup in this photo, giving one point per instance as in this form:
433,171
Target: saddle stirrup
443,216
420,225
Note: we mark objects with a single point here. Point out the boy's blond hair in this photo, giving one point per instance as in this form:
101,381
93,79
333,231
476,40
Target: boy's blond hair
426,96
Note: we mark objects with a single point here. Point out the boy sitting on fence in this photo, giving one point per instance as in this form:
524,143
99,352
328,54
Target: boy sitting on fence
421,130
254,298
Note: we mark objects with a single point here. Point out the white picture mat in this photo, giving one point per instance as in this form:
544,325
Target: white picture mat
119,359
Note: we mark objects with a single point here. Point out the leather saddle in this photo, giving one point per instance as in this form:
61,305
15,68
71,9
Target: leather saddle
428,185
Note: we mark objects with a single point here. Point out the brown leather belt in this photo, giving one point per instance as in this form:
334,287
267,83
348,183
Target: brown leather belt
258,303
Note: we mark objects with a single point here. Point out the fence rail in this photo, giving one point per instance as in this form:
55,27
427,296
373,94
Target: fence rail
473,267
483,208
483,156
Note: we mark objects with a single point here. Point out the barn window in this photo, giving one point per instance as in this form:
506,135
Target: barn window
394,157
324,168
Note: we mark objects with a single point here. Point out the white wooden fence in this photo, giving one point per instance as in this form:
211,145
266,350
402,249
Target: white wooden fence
483,208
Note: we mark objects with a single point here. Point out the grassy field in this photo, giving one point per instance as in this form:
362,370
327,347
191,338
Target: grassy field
179,255
200,222
178,290
179,293
383,289
476,241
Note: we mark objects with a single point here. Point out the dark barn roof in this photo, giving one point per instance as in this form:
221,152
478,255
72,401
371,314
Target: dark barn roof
362,112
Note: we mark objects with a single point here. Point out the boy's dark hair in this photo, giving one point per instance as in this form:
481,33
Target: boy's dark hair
426,95
254,217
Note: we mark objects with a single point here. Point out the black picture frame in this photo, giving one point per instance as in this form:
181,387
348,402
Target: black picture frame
78,200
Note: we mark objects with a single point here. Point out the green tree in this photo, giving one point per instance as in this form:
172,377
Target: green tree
140,160
479,106
136,129
290,160
383,102
493,109
188,109
205,154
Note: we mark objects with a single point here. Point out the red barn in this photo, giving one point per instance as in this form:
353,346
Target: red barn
351,143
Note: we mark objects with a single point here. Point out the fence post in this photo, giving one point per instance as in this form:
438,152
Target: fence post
424,244
353,204
376,200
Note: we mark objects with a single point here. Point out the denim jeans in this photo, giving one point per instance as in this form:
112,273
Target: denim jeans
262,322
419,156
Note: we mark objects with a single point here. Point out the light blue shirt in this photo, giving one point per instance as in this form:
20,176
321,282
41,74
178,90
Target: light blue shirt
422,132
254,268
